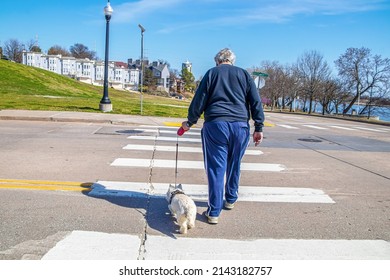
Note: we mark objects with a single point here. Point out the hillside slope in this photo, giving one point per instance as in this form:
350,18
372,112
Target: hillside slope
25,87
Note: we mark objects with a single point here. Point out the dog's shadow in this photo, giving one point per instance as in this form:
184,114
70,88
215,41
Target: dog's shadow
153,207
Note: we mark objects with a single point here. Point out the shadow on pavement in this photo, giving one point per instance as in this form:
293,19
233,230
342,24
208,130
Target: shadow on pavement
153,207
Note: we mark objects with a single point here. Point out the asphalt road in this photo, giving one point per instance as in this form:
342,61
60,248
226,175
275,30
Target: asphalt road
51,172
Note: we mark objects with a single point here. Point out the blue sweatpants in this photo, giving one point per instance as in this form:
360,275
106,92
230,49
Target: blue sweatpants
224,145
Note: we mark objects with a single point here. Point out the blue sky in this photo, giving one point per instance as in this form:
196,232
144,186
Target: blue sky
177,30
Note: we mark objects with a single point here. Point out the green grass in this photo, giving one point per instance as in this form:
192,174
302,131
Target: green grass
30,88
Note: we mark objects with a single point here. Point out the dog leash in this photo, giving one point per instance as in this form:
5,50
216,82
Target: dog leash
177,155
180,132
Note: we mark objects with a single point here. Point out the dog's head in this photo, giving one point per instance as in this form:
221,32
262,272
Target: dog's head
172,191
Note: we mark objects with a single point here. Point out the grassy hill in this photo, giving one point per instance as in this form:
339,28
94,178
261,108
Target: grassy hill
29,88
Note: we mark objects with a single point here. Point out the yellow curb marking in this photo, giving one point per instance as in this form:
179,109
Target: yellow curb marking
174,124
45,185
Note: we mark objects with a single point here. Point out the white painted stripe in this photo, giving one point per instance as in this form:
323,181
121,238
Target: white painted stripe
167,127
200,192
288,126
291,117
253,152
181,149
83,245
165,248
190,164
314,126
369,129
160,138
163,148
158,130
342,127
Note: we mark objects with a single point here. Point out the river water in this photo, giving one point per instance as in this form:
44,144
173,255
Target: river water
383,113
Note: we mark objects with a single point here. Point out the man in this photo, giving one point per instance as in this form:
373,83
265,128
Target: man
228,97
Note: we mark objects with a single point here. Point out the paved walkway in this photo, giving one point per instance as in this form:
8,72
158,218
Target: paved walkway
64,116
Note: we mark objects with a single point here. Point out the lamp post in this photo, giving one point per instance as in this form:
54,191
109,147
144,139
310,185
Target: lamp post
142,61
105,103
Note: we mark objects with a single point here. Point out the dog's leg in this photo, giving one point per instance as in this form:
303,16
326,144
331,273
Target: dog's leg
170,209
191,220
191,224
183,224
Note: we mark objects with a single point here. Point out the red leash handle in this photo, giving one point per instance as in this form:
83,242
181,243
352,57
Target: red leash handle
180,131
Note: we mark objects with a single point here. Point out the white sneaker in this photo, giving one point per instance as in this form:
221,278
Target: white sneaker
211,220
229,206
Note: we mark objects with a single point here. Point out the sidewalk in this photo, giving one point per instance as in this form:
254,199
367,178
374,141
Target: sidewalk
65,116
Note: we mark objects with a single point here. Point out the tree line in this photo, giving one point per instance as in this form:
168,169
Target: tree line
13,50
361,78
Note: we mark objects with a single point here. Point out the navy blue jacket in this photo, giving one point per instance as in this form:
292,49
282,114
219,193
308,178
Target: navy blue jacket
227,93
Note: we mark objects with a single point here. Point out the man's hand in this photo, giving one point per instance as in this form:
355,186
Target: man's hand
257,138
185,126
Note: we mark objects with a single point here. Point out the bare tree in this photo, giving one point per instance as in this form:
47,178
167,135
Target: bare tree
32,46
56,49
377,96
80,51
273,87
312,71
291,78
330,94
361,72
13,50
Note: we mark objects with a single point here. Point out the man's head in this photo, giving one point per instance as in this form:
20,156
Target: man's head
225,56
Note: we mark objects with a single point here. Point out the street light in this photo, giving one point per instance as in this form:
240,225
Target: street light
142,60
105,103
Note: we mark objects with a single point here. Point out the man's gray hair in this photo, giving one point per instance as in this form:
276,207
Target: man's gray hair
225,55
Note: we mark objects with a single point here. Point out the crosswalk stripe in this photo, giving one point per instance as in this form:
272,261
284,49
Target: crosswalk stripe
369,129
85,245
288,126
199,192
165,131
90,245
190,164
180,148
164,248
314,126
342,127
335,126
194,129
161,138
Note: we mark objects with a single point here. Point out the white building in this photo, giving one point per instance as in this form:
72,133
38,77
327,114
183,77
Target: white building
160,72
85,70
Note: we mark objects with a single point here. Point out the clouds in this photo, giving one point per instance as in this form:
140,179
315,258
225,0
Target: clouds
174,15
131,11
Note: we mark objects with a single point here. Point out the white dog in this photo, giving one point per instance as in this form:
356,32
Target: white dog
182,207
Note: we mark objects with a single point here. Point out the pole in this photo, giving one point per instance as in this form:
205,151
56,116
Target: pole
358,104
142,66
105,103
142,62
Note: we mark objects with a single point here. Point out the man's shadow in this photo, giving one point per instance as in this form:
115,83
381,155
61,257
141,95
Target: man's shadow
156,212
